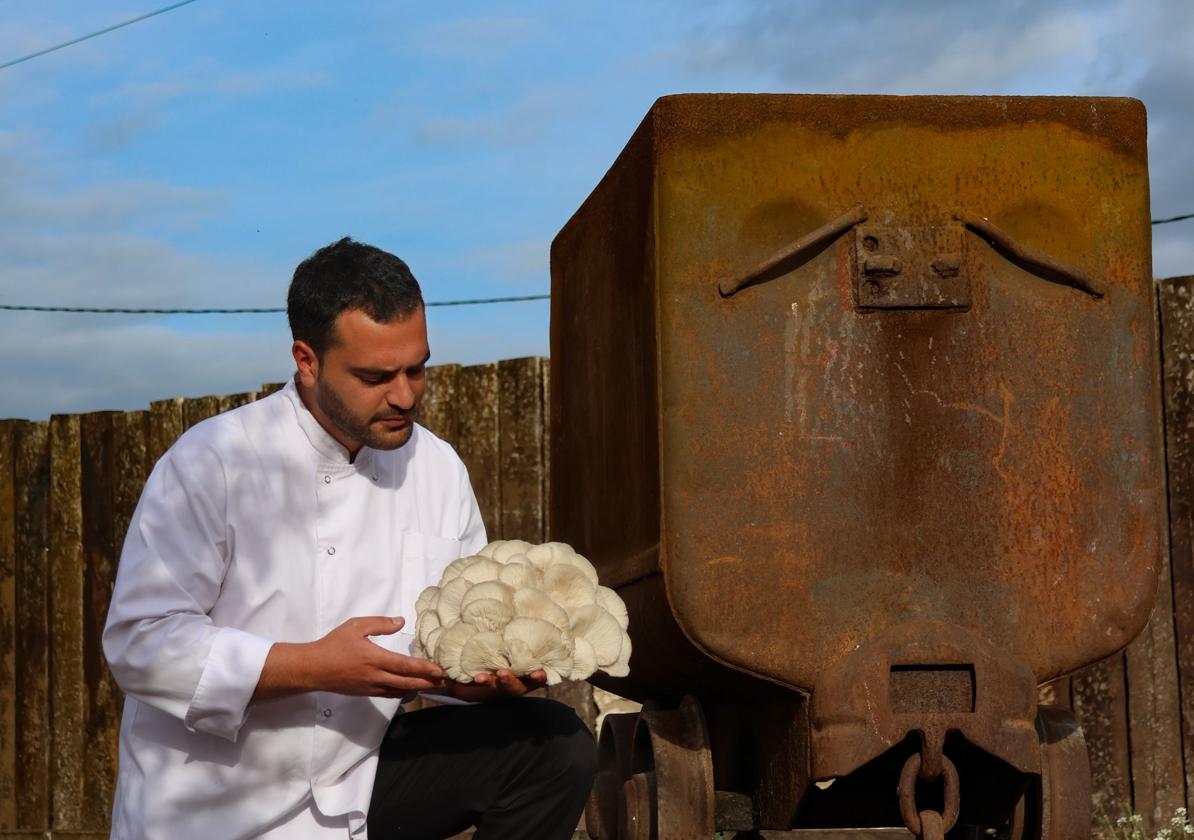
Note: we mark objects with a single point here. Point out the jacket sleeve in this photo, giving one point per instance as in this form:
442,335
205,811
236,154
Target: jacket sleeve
160,642
472,533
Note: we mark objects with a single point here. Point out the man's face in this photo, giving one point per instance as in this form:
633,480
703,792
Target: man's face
367,385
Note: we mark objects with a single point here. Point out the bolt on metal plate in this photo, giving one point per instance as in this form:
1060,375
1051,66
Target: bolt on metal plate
911,267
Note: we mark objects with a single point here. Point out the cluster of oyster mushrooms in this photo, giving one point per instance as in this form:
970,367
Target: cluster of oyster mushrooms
523,607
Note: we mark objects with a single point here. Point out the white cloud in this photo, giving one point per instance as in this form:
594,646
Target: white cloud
82,363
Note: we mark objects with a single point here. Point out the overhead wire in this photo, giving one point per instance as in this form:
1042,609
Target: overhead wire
104,310
1173,219
95,34
244,310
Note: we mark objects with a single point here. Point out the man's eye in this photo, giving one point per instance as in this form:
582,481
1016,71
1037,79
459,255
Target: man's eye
416,372
371,380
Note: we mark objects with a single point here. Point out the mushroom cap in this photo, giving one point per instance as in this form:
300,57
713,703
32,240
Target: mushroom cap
520,574
562,554
621,668
584,659
481,569
482,653
569,587
509,548
487,614
426,600
454,568
424,624
613,604
601,630
451,643
450,596
494,589
545,554
535,603
532,642
431,643
557,664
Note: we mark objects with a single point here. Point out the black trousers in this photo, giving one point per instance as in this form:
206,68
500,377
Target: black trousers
517,768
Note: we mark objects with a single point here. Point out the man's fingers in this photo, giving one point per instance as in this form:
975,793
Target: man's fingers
376,625
390,685
407,666
510,684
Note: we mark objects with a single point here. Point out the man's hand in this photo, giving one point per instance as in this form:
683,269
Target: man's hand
496,686
346,662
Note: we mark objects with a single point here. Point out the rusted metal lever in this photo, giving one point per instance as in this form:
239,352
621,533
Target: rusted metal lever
801,248
1042,266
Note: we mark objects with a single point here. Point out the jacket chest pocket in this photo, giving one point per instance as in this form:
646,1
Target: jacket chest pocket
424,558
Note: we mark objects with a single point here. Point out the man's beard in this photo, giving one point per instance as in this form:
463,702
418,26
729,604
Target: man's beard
361,430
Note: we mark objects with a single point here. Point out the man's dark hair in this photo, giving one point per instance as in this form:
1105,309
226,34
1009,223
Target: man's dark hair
348,275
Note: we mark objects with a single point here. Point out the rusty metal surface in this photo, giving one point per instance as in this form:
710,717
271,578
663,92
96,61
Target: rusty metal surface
615,743
1065,776
859,711
823,834
844,471
837,470
943,445
670,794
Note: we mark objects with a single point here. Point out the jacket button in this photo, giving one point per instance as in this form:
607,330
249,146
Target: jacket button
327,479
331,549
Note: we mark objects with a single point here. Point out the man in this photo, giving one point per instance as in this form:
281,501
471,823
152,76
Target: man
263,611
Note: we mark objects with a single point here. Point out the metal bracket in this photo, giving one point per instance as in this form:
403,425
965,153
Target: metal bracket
911,267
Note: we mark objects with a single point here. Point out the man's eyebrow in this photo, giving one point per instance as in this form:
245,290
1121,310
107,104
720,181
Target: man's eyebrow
366,371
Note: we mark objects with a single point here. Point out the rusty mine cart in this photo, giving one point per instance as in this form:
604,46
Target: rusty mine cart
857,403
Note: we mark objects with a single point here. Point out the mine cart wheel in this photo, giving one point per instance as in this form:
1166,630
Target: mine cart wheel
615,743
669,795
1064,794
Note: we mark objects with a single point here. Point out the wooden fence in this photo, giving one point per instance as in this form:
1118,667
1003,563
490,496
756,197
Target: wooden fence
68,488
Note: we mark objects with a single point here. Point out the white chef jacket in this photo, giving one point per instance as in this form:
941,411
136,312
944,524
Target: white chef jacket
255,528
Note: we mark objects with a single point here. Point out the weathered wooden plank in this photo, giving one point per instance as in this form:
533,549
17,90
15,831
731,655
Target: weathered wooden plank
1100,702
8,608
477,442
1176,305
438,410
545,373
101,478
520,448
165,426
33,734
68,686
134,460
1155,732
231,401
578,695
197,409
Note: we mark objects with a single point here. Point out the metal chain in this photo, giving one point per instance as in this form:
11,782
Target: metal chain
928,824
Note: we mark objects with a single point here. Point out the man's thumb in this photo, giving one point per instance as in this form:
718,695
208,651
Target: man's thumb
384,625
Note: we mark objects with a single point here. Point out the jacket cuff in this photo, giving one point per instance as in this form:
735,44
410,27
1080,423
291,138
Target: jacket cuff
221,700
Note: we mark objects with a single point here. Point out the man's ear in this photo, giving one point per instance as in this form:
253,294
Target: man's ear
307,362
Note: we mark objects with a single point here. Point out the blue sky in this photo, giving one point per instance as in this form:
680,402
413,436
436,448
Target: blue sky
194,158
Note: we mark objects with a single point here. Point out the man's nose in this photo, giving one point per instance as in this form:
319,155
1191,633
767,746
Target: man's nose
400,395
